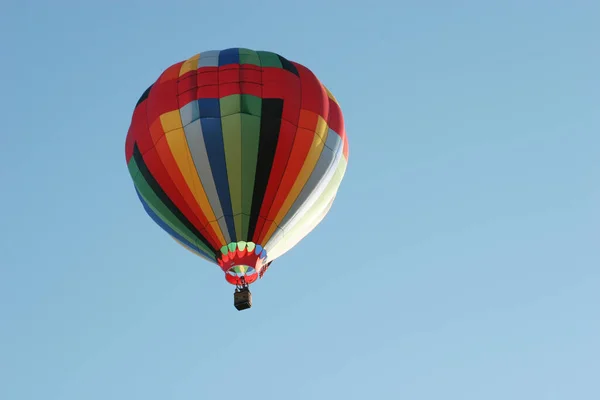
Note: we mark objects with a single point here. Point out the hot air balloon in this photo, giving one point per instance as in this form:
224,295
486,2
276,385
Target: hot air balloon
238,155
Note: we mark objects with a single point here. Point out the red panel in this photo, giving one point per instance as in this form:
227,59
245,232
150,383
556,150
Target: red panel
335,120
292,101
140,129
248,67
326,106
206,78
208,92
314,97
162,99
336,123
260,223
229,66
129,144
227,89
229,74
273,90
202,70
276,75
171,73
187,82
138,126
253,89
239,257
250,75
187,97
234,280
281,84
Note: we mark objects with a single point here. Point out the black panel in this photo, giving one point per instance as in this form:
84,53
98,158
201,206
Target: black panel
270,123
144,96
288,66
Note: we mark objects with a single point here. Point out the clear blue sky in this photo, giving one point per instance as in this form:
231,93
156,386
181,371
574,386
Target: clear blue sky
460,260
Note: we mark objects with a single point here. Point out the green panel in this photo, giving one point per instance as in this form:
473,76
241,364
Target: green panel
238,222
268,59
251,246
232,139
232,246
251,105
161,210
241,130
133,169
230,105
250,139
248,56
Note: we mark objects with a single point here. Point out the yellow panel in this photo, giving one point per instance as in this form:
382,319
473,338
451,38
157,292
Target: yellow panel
190,64
322,129
179,148
171,121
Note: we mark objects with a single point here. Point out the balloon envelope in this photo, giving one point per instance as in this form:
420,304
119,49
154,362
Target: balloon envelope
238,155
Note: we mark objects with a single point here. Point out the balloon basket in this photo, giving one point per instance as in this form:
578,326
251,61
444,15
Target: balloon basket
242,298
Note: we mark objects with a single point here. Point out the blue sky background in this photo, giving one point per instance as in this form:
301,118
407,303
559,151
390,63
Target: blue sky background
460,260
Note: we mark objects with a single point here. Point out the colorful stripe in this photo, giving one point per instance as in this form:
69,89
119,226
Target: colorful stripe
237,146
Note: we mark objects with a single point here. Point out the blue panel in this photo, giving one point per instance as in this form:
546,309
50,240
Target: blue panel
229,56
209,108
258,249
230,222
215,148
